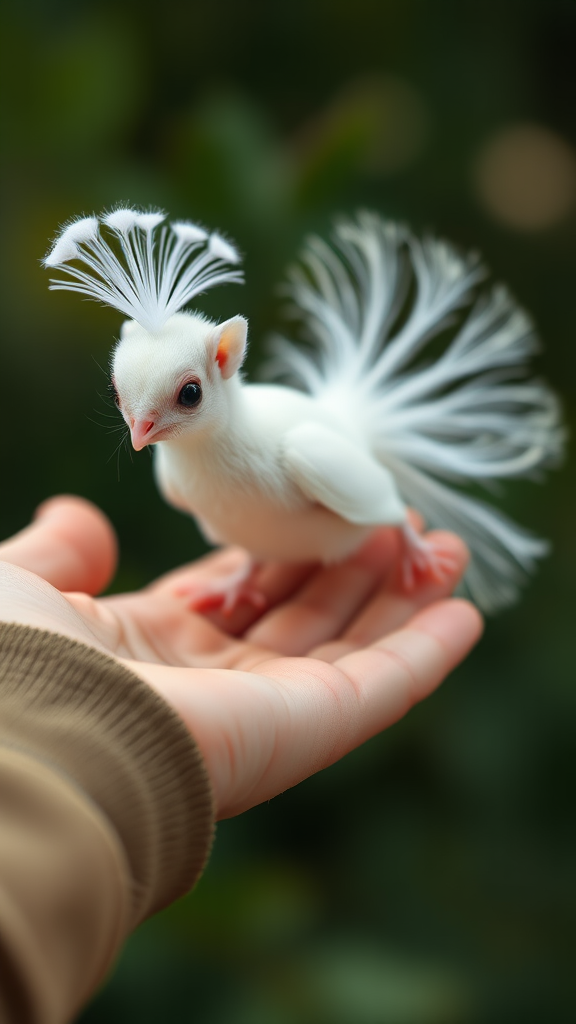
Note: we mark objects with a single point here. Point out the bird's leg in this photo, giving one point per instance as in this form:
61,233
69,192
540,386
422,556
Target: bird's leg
226,592
423,557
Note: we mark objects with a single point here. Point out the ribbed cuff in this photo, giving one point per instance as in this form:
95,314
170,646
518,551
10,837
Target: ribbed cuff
108,731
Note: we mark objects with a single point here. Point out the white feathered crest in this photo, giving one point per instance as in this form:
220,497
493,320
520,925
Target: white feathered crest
134,261
440,416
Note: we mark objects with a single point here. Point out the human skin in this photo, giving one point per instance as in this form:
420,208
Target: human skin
271,696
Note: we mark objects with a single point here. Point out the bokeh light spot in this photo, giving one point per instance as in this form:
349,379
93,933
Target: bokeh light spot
525,177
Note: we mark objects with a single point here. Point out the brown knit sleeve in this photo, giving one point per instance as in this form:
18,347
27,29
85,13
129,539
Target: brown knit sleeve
105,816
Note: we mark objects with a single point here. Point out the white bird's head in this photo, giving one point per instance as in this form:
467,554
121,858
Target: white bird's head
172,371
177,379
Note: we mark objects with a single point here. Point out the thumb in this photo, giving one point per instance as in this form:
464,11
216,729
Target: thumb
70,543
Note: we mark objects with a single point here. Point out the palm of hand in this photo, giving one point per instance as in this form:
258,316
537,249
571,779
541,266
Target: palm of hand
270,698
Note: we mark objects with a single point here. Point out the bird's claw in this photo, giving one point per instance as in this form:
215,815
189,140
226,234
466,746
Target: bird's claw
424,558
225,593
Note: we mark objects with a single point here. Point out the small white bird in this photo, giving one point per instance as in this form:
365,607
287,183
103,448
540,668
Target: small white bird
388,412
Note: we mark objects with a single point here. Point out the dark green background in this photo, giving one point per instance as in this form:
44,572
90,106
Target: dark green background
429,877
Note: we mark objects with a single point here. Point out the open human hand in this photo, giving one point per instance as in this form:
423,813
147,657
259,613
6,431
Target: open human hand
270,696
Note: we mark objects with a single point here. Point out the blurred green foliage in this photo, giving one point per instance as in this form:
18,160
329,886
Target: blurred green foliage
429,878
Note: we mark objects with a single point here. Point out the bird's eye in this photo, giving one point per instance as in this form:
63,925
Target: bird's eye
190,395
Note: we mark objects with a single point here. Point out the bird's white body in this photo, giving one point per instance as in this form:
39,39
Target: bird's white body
378,421
237,484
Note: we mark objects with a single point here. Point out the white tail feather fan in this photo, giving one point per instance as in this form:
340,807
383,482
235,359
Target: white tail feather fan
139,265
371,305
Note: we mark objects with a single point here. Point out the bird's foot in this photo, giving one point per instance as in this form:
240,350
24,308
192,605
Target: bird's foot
226,592
424,558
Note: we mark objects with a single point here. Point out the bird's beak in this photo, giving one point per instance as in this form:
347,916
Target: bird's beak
142,432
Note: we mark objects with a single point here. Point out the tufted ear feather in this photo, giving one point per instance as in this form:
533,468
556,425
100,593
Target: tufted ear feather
231,339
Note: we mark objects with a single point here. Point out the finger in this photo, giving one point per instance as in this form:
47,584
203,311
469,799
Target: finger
325,605
391,607
413,660
70,543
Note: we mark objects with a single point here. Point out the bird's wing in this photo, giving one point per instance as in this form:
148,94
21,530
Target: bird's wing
338,474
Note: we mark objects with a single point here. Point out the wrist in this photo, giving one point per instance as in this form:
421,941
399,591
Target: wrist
68,705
